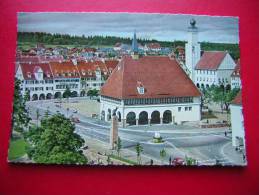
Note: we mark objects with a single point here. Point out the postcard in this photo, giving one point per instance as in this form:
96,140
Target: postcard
127,89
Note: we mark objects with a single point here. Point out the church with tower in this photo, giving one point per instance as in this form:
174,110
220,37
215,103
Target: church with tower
206,68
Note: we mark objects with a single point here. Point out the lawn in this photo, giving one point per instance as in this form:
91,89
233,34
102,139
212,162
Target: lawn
17,148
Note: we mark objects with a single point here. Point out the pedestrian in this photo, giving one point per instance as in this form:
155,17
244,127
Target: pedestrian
225,133
151,162
244,157
170,160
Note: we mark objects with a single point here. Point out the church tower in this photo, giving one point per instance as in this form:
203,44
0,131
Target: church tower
134,47
192,49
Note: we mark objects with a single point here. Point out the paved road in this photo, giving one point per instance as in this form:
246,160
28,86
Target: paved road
203,145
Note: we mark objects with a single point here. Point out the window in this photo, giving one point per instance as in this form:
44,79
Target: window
141,90
179,109
186,108
190,108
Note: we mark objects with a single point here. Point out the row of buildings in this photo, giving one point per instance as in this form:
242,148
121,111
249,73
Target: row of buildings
50,79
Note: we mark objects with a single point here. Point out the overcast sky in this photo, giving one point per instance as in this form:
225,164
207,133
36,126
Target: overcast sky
163,27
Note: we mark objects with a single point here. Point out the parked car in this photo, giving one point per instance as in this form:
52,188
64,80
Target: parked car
178,161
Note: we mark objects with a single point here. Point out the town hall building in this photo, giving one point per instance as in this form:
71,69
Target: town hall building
148,90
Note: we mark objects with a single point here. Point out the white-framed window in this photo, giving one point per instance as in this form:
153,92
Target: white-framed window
179,109
141,90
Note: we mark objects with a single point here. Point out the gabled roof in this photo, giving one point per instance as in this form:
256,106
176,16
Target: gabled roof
210,60
236,71
111,64
238,99
87,69
64,70
160,76
28,70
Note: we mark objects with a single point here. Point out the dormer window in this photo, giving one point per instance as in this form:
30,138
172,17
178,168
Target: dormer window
29,74
140,88
83,72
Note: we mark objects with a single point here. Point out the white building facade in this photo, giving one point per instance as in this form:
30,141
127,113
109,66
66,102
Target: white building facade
214,68
151,111
37,80
192,49
237,122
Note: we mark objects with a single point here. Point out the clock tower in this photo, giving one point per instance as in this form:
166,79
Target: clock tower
192,49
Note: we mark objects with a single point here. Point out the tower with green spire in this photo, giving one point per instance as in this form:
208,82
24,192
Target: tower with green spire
134,47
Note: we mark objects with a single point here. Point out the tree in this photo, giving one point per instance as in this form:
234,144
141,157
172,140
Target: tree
27,95
223,96
139,150
190,161
92,92
162,155
118,146
67,93
37,116
55,142
47,113
20,116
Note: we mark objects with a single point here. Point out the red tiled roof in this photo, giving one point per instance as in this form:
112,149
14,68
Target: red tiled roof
87,69
64,69
111,64
238,99
210,60
28,59
160,76
153,45
28,70
236,71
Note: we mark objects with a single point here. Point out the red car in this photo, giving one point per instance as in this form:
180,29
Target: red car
178,161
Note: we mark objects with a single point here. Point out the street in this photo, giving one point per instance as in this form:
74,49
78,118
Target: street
205,145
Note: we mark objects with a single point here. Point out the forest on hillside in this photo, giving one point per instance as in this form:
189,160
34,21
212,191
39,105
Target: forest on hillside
99,41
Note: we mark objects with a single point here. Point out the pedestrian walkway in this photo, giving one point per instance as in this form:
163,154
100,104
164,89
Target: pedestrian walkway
97,153
236,157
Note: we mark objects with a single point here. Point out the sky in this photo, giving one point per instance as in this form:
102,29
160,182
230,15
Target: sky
162,27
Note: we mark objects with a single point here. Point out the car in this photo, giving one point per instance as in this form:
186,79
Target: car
178,161
74,111
75,120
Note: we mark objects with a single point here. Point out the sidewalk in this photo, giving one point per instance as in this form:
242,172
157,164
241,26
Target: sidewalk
232,155
98,152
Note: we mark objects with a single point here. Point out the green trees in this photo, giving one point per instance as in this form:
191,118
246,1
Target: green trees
65,39
67,93
20,114
220,95
139,150
118,146
55,142
162,155
92,92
